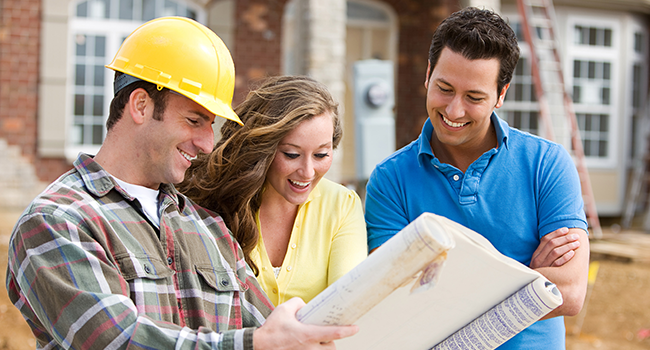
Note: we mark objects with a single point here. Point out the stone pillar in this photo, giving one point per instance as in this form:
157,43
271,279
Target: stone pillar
324,21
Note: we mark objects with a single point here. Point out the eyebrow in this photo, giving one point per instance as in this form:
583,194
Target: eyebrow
479,92
202,115
291,144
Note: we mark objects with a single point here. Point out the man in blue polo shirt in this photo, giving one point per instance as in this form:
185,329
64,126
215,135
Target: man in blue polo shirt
519,191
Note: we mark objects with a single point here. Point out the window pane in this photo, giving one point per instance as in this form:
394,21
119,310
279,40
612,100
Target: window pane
578,35
148,10
126,9
534,117
638,42
80,41
171,8
99,9
516,120
608,37
191,14
636,86
576,69
606,70
98,134
604,123
357,10
99,75
602,148
576,94
82,9
587,148
79,104
605,96
100,46
518,92
591,70
98,105
592,36
80,75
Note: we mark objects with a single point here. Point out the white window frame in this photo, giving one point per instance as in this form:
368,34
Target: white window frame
636,26
115,31
598,54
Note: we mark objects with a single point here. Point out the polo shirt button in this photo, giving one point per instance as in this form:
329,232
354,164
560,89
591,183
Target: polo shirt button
275,291
456,177
264,268
169,260
225,283
288,268
293,246
147,269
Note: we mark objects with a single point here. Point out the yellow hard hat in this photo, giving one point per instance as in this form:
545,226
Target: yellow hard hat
184,56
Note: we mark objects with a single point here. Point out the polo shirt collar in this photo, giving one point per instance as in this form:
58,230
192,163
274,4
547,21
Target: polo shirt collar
425,151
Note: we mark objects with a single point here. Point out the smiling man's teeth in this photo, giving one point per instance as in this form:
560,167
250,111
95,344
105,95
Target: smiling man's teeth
299,184
452,124
187,156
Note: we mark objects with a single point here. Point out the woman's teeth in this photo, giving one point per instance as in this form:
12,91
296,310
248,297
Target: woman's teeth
299,184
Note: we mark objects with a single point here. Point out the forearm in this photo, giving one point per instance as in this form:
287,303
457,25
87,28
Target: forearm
571,279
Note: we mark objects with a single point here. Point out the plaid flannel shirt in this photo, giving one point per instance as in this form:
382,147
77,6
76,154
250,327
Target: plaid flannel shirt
88,271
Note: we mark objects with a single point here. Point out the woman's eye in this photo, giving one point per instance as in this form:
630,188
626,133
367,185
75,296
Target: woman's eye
291,155
321,155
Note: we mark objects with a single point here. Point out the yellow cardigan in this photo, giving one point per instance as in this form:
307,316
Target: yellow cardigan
328,239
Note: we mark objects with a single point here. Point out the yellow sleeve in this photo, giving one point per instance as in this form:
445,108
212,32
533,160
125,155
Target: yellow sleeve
349,243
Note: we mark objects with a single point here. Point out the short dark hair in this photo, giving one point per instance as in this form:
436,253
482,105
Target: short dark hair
477,34
119,101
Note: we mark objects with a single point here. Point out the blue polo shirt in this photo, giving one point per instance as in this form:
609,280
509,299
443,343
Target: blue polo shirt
513,195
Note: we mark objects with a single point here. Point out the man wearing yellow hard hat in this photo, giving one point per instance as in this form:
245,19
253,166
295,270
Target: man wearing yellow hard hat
110,255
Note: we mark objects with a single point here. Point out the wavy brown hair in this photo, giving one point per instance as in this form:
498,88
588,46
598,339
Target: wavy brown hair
230,179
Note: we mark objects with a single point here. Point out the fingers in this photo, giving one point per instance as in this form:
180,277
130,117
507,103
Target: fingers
282,330
327,334
555,249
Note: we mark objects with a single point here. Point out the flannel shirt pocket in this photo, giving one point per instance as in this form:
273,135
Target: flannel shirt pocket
222,280
143,267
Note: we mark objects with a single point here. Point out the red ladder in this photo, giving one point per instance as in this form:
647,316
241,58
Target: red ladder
555,103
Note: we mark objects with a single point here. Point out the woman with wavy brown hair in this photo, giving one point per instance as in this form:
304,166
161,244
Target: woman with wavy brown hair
299,231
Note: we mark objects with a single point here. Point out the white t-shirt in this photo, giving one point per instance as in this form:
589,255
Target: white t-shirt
147,197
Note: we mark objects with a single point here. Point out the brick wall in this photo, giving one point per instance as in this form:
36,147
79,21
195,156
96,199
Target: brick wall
258,39
19,78
417,22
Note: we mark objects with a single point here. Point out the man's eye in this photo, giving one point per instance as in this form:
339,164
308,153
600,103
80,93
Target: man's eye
291,155
443,89
193,121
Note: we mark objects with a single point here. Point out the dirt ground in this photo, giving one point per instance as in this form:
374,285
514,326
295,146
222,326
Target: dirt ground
616,315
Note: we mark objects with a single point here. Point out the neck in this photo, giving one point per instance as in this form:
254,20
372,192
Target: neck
116,157
462,156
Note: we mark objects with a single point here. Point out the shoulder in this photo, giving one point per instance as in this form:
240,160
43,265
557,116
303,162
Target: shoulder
401,162
332,193
66,194
528,145
203,215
